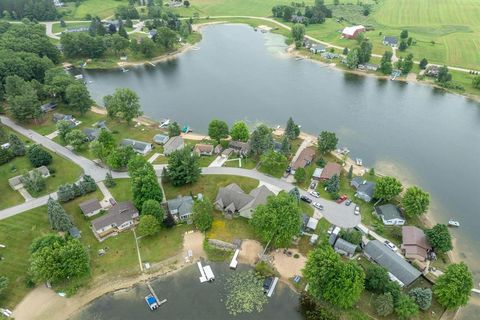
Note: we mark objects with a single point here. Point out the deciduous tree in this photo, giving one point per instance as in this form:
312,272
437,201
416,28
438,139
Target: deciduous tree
300,175
298,32
77,139
261,140
63,128
202,214
405,307
240,132
148,225
124,104
327,141
384,304
376,278
415,201
453,288
17,147
423,63
217,130
153,208
387,188
386,63
273,162
174,130
78,98
353,58
440,238
183,167
33,182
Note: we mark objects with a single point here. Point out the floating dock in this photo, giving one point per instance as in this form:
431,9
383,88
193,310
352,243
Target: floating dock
234,262
152,299
272,288
209,273
202,278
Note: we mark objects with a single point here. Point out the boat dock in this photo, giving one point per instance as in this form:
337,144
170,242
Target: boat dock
272,288
152,299
206,273
202,278
234,263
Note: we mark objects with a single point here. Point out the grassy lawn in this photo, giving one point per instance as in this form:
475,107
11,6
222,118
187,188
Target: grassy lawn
123,190
229,229
205,161
17,233
208,185
247,163
304,245
70,25
101,8
278,173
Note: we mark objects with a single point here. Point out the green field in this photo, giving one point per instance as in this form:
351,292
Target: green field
70,25
102,8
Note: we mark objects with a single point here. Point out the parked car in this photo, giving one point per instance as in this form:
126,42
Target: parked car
348,202
342,198
267,283
357,210
306,199
288,170
317,205
390,245
313,185
314,193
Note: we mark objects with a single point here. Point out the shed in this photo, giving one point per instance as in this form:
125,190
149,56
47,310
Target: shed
160,138
344,247
173,144
139,146
317,174
312,224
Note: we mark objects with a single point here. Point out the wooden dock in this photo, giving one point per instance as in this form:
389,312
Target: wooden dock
155,295
272,288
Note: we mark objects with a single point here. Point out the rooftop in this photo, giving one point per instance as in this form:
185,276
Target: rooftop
90,206
389,211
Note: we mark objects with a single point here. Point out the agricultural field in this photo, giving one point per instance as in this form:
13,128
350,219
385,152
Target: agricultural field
102,8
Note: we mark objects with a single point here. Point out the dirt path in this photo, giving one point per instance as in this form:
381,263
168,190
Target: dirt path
249,252
288,266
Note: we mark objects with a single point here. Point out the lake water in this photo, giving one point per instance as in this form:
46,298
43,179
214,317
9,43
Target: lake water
422,135
187,299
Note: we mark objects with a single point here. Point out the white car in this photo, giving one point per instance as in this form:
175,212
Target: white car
315,194
317,205
357,210
390,245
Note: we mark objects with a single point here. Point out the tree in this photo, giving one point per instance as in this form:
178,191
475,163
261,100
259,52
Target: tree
58,218
285,150
109,181
124,104
407,64
387,188
183,167
244,293
443,75
440,238
33,182
273,162
104,145
353,58
119,44
376,278
153,208
145,184
350,173
78,98
174,130
77,139
422,297
119,158
217,130
332,280
365,51
202,214
58,259
25,106
405,307
292,131
5,155
453,288
327,141
148,226
38,156
240,132
404,34
351,235
298,32
384,304
88,184
3,283
423,63
261,140
63,128
300,175
333,185
65,193
386,63
166,37
403,45
415,201
295,193
345,51
17,147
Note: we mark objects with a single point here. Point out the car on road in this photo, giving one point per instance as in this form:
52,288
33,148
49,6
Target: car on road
306,199
314,193
342,198
390,245
317,205
348,202
357,211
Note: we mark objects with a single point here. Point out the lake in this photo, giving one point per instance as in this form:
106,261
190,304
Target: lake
415,132
187,298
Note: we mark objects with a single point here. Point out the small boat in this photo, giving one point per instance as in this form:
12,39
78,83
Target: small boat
186,129
79,77
151,302
343,150
359,161
7,313
453,223
195,48
125,70
164,123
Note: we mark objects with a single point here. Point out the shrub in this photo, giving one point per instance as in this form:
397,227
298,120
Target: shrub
38,156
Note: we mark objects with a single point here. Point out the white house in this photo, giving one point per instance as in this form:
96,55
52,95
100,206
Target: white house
390,215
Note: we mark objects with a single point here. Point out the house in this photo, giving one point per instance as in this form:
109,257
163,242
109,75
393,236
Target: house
227,152
371,66
232,200
181,207
352,32
398,269
415,245
390,41
139,146
317,48
16,182
240,147
152,33
390,215
173,144
91,133
74,233
90,207
317,173
218,149
48,107
344,248
432,71
312,224
120,217
329,55
66,117
203,149
304,159
160,139
365,189
331,169
298,19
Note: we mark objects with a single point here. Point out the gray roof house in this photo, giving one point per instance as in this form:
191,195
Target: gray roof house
16,182
344,247
365,189
240,147
91,133
181,207
390,41
67,117
398,268
121,216
317,48
232,200
160,138
139,146
173,144
390,215
90,207
48,106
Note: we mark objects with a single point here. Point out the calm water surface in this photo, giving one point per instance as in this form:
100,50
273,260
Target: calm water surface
422,135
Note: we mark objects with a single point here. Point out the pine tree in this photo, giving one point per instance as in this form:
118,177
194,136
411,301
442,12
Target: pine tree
109,181
65,193
58,218
350,173
285,146
291,131
17,147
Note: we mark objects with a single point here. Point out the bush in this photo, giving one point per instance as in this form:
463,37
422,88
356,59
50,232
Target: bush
264,269
384,304
422,297
38,156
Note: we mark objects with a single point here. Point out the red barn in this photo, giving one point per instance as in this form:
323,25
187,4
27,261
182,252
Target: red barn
352,32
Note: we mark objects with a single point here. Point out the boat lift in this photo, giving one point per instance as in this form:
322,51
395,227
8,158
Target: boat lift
152,300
